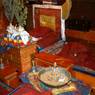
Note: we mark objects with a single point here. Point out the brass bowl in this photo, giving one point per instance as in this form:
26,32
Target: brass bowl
58,77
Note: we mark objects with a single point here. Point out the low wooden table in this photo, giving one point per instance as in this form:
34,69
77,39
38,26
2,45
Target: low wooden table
46,59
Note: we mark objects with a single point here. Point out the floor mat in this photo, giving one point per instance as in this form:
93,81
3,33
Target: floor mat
55,48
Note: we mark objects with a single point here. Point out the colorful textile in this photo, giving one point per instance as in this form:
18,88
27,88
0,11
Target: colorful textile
81,88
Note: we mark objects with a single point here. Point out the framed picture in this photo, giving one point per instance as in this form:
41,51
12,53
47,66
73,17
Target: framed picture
48,16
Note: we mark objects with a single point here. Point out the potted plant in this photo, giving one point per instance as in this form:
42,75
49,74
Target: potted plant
15,8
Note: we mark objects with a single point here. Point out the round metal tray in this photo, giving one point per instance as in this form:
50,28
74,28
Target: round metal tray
54,77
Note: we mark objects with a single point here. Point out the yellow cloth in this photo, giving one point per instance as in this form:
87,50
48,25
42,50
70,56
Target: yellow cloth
68,87
66,7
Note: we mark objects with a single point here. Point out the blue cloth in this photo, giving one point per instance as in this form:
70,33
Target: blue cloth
84,70
39,49
5,48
